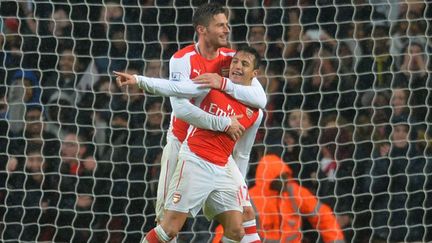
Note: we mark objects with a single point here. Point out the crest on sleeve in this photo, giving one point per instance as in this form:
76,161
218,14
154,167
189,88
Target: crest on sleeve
175,76
176,197
249,113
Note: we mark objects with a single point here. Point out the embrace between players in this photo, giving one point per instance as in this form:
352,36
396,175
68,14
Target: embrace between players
204,165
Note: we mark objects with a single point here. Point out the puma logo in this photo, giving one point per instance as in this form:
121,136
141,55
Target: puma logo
196,71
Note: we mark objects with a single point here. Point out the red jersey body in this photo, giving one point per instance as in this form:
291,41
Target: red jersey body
216,147
191,65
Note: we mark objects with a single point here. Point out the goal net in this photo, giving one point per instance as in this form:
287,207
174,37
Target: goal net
348,86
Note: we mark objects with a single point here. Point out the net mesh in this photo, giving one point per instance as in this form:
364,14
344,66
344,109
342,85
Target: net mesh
348,85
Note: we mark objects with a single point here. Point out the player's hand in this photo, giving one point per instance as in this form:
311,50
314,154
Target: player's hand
235,131
123,79
209,80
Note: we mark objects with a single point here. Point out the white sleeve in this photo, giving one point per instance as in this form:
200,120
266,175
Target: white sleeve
184,110
243,147
253,95
164,87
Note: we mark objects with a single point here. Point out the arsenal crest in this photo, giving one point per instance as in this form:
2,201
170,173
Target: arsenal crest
176,197
225,72
249,113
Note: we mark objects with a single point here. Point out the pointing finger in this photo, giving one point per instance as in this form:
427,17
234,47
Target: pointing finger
120,74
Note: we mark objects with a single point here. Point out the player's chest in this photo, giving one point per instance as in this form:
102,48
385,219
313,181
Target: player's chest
221,104
200,66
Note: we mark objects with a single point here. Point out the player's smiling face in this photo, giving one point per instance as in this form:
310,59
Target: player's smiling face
218,30
242,68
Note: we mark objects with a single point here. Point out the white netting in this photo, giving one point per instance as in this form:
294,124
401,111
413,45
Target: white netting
348,84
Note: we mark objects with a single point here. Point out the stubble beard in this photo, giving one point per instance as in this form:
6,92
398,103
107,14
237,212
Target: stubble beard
219,43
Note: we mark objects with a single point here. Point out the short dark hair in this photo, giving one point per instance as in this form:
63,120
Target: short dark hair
252,51
205,13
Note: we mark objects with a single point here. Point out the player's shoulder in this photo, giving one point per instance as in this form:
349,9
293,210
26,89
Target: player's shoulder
227,51
190,49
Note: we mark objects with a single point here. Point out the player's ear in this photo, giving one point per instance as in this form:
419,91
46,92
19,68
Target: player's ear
200,29
255,72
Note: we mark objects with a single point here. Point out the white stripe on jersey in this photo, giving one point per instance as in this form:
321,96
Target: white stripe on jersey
231,53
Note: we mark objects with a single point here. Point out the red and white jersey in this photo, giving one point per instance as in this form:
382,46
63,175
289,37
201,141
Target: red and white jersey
226,103
181,90
186,64
213,146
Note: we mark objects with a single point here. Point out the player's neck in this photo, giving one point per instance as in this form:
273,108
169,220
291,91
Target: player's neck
207,51
248,83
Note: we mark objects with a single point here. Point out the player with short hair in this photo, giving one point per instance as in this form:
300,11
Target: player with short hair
208,55
204,176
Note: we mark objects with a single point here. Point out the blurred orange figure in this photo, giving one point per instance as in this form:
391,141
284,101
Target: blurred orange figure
281,203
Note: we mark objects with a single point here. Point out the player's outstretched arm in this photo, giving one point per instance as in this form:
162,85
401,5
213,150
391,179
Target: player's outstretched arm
159,86
182,107
124,79
253,95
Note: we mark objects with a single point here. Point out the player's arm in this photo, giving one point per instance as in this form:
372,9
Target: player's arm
243,147
253,95
164,87
159,86
184,110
